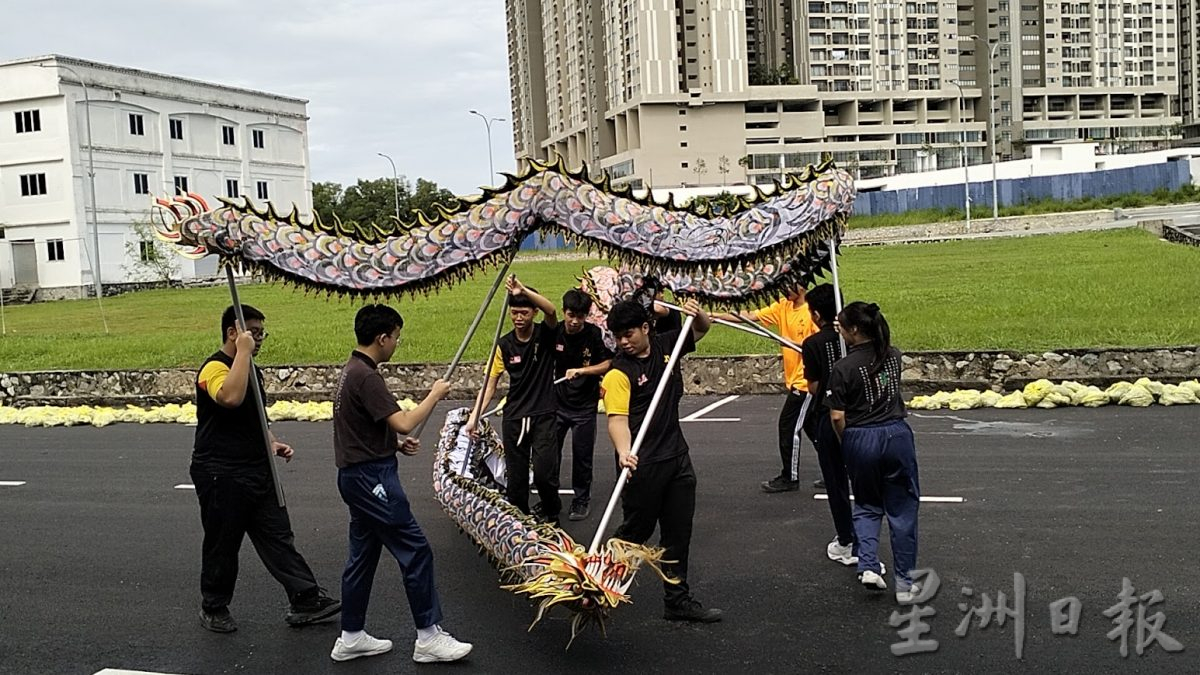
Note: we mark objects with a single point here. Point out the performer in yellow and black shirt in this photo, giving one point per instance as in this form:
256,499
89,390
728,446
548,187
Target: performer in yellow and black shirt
233,483
662,483
529,431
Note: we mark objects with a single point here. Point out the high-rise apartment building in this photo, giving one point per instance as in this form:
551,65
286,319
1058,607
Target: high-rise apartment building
671,92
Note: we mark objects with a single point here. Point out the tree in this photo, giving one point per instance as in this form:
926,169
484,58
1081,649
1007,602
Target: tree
374,201
723,169
700,167
148,258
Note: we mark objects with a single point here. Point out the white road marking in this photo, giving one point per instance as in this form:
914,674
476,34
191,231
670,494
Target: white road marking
118,671
185,486
115,671
11,483
930,500
696,416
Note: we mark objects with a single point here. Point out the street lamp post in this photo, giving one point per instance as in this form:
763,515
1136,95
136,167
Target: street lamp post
991,56
487,123
395,183
87,113
966,169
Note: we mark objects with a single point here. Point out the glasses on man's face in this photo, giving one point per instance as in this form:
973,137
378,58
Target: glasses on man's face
259,334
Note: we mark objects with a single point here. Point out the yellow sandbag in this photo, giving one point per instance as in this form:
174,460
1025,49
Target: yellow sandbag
1137,396
920,403
942,398
1173,394
1192,385
1117,390
1013,400
1091,397
1154,387
1054,399
989,398
964,399
1035,391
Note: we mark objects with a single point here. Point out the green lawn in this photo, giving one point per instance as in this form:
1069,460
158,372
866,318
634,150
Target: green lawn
1114,288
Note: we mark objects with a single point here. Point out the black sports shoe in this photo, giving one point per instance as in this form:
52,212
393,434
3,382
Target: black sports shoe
691,610
219,621
579,511
819,483
312,611
780,484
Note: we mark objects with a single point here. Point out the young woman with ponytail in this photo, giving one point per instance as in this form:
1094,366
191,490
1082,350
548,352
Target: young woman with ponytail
868,415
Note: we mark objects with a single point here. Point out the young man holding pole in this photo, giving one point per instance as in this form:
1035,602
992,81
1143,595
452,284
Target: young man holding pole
662,484
232,474
581,358
366,421
528,431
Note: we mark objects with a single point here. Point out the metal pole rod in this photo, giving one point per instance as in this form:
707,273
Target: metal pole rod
395,183
992,117
462,347
962,99
837,287
668,373
477,406
256,392
747,326
95,257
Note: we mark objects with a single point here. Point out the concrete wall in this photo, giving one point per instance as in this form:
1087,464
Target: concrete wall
924,372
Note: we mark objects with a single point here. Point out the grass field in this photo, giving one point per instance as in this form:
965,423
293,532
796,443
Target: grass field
1113,288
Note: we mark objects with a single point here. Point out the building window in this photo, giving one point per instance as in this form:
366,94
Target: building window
28,121
227,135
259,138
231,188
54,250
683,111
147,252
33,184
181,184
176,130
136,125
141,184
262,190
683,127
683,165
683,144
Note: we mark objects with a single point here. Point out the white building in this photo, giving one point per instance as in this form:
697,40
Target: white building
151,134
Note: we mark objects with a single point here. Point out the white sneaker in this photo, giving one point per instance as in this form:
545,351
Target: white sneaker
365,645
841,554
907,597
440,648
872,581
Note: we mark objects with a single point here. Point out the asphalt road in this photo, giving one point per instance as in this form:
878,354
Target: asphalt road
99,555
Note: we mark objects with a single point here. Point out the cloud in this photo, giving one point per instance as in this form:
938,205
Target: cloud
394,77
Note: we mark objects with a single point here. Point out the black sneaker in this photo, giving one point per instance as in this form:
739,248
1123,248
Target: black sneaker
312,611
219,621
691,610
780,484
819,483
579,511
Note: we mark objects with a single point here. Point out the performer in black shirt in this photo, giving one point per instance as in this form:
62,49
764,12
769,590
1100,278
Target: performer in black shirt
662,483
581,357
868,415
820,351
526,353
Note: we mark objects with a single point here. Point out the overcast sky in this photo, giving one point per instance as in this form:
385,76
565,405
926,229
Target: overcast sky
395,76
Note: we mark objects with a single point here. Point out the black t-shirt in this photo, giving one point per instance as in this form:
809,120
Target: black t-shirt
585,348
630,385
673,321
530,368
361,406
229,441
865,397
820,351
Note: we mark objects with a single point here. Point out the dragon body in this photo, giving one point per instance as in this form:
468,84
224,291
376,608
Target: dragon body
747,254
